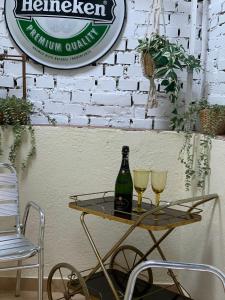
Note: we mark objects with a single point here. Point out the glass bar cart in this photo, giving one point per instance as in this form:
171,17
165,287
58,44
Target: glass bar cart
108,279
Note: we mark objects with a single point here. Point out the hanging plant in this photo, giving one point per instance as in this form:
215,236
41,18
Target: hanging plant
195,151
168,58
15,113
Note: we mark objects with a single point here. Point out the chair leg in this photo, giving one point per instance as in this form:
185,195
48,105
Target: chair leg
40,275
18,280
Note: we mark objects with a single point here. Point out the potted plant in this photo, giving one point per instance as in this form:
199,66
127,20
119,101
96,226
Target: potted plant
212,119
15,113
162,59
195,152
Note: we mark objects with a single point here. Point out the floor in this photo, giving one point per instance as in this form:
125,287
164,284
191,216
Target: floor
9,295
29,296
24,296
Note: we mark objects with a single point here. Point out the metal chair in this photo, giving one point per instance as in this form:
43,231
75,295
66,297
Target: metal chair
14,246
169,265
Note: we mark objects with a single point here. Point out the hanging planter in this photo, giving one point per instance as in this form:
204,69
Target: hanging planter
147,61
148,65
167,59
212,120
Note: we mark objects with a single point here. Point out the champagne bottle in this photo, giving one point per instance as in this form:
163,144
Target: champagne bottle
124,185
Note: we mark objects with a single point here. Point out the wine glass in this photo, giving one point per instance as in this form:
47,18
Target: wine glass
158,182
141,178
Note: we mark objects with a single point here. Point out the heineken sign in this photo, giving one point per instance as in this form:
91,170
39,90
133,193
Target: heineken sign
65,34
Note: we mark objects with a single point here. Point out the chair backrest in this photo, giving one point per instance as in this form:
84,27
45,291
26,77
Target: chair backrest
9,200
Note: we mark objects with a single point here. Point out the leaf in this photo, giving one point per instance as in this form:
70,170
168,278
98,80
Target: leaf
166,54
161,72
175,112
165,82
177,65
170,87
173,98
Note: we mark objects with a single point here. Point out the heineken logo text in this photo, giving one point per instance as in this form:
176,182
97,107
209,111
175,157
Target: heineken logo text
99,11
65,34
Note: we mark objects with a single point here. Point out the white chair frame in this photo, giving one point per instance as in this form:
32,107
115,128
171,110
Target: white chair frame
169,265
14,245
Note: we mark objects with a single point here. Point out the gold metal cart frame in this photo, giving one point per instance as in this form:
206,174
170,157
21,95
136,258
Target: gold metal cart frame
101,205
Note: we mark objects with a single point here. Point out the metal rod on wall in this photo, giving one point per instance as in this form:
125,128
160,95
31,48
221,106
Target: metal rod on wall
21,58
194,8
205,24
24,58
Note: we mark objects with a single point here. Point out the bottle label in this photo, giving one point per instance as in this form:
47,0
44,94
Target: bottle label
123,204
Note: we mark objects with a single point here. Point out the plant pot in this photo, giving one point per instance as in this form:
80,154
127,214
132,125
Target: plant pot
148,65
20,117
212,121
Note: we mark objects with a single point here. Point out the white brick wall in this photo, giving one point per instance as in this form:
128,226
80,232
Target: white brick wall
113,92
80,97
6,81
121,99
106,84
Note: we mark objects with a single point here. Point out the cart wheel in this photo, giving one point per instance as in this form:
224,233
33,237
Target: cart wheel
123,260
65,282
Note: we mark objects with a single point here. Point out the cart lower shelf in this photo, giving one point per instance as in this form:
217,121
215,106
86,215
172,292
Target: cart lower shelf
99,287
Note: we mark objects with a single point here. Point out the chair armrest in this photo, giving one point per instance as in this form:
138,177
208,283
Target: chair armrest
36,207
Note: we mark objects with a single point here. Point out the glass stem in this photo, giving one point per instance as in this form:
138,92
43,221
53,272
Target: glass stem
139,200
157,199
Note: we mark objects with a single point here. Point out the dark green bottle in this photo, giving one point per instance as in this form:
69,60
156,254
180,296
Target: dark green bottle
124,185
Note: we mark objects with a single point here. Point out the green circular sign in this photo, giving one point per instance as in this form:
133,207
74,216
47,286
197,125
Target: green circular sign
65,34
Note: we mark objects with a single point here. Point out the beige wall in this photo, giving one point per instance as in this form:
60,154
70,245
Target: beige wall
81,160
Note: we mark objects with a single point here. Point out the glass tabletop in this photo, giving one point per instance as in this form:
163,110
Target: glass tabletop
103,206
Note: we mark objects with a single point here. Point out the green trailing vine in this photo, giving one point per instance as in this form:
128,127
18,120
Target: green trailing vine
196,164
203,162
168,58
186,157
15,113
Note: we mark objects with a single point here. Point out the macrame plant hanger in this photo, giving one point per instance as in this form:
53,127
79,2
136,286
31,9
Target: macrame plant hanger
157,8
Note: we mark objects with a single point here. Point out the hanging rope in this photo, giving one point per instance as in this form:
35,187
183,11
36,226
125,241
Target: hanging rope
156,15
163,15
157,9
